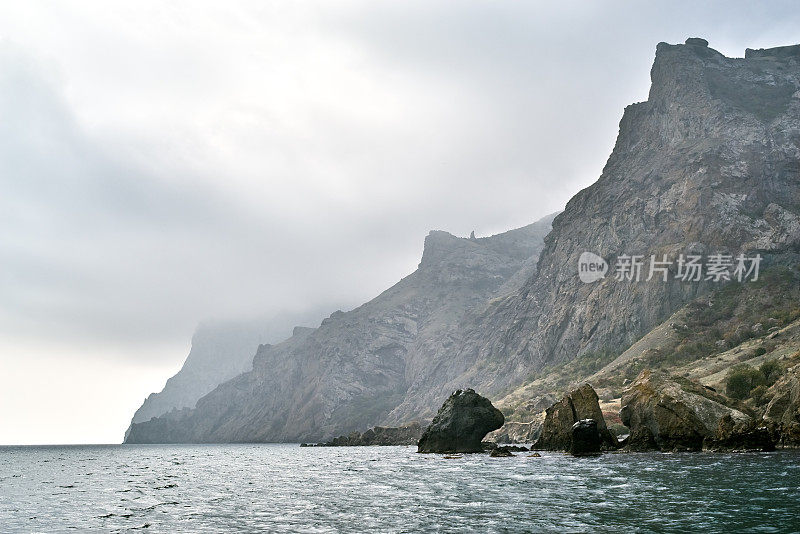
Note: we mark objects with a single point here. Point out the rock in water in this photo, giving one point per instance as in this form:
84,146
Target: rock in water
783,411
407,434
500,452
747,435
461,423
671,413
585,438
579,404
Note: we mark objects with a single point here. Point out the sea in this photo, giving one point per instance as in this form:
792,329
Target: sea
288,488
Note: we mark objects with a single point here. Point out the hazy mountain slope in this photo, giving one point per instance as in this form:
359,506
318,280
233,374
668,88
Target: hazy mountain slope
220,351
709,163
356,367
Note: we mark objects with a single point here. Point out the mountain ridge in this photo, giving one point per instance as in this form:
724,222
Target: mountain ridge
708,164
353,369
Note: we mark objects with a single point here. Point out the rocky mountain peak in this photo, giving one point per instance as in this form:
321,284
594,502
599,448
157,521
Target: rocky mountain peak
439,245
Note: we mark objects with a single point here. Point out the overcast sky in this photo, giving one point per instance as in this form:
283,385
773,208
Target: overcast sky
165,163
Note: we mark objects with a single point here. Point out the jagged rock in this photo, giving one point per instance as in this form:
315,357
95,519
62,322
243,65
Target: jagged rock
585,438
581,403
749,435
461,423
640,440
697,41
783,410
500,452
673,413
404,435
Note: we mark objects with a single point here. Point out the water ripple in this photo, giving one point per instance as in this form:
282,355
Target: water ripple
285,488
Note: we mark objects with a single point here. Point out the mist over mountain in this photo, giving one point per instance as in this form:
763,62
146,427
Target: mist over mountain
356,367
708,164
220,350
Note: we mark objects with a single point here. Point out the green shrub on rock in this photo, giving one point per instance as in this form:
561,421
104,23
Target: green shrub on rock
741,380
772,370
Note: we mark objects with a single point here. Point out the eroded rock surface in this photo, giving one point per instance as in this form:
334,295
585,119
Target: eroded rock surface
670,413
579,404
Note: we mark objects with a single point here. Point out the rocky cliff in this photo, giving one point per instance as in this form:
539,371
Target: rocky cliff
709,164
349,373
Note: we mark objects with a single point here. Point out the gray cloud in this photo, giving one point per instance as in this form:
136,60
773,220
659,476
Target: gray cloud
159,170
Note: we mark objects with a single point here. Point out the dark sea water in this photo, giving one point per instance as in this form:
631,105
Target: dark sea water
285,488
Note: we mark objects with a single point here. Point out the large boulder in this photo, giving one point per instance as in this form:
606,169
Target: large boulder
783,411
461,423
672,413
578,404
585,438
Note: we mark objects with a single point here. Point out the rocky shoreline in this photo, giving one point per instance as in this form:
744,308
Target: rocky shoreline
663,413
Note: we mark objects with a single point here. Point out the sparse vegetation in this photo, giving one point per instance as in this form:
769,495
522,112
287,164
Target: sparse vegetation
734,314
741,380
772,370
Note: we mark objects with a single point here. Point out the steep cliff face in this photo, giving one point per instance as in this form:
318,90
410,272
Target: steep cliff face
357,366
710,163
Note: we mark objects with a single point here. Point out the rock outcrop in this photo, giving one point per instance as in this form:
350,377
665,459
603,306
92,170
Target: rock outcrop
380,435
585,438
501,452
518,432
748,435
580,404
670,413
461,424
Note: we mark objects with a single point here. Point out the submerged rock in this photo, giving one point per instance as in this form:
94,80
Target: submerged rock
500,452
407,434
671,413
461,423
585,438
579,404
